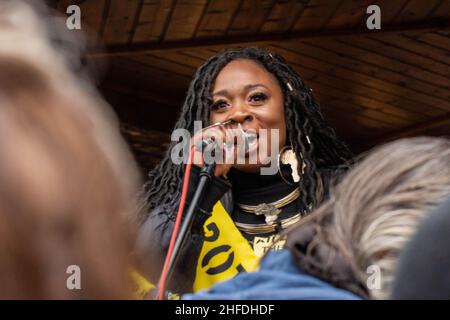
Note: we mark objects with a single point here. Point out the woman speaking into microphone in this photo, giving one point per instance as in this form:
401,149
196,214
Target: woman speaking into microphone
243,210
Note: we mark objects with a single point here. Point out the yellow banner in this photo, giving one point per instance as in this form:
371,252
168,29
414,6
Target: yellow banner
225,251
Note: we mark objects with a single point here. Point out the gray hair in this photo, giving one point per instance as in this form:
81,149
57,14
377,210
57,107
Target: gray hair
373,213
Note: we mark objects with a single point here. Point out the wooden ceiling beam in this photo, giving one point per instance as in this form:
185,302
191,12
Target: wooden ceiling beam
414,129
170,100
258,39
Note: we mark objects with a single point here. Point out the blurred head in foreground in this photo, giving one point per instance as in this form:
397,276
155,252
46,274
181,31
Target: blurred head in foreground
67,179
423,271
354,240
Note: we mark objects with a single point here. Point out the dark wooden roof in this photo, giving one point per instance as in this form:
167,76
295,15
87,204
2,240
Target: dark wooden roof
372,85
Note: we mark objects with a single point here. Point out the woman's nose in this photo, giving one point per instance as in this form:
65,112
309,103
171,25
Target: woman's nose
241,113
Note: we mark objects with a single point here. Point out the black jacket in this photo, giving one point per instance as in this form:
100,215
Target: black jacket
155,233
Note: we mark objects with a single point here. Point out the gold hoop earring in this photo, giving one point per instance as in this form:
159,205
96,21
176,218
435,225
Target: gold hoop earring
288,165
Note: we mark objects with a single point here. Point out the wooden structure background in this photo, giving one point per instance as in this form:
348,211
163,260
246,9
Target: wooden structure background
373,86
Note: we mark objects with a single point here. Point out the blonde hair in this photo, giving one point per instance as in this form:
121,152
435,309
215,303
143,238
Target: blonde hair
376,209
67,177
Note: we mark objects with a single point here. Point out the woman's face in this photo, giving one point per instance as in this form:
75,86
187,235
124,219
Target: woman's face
247,93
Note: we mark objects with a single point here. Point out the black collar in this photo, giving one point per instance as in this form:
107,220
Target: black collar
254,188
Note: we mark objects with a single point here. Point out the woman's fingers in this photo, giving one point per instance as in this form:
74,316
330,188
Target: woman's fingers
214,134
230,141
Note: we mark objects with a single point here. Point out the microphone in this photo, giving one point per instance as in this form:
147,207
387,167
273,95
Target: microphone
203,144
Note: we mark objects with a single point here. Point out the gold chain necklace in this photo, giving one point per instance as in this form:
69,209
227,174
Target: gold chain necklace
270,210
264,228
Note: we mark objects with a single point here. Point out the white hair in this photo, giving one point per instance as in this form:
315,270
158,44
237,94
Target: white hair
373,213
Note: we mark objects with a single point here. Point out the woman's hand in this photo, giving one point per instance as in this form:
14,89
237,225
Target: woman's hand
224,136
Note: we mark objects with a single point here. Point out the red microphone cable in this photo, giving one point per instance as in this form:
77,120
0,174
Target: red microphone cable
176,229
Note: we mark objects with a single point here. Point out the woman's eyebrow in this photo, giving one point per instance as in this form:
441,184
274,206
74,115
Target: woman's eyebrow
248,87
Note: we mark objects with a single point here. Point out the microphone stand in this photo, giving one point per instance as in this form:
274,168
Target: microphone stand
205,176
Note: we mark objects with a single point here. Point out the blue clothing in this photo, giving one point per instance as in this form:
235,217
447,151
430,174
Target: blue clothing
278,278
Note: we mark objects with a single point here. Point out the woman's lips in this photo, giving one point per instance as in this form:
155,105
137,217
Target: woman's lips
251,141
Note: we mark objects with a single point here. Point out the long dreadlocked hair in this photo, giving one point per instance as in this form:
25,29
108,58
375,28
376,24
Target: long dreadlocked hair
303,117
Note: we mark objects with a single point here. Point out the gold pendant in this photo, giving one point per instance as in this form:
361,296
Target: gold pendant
288,157
269,211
